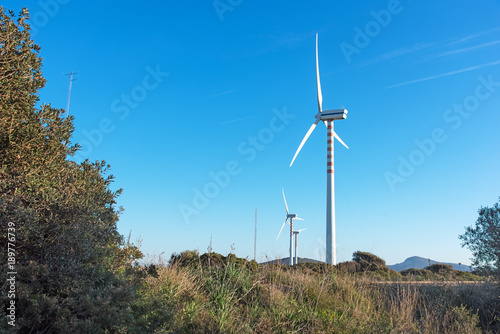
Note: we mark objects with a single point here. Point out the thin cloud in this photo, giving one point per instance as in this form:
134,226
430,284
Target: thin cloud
238,120
396,53
401,52
468,49
446,74
224,93
288,38
261,44
473,36
436,45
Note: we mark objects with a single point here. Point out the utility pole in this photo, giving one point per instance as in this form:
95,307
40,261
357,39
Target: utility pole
70,76
255,240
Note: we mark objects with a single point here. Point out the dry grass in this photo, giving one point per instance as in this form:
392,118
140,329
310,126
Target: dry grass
279,299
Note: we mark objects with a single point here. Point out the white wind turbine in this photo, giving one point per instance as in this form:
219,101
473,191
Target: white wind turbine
296,233
290,216
327,116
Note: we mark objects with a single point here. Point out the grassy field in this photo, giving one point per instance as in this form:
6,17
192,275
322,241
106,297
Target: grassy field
216,294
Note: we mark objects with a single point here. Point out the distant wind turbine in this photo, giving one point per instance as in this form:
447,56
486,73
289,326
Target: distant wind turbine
327,116
291,217
296,233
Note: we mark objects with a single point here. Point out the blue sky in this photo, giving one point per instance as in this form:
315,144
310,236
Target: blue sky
186,98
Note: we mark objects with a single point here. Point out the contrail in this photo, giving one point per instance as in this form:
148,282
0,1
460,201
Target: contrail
473,36
239,119
224,93
447,53
446,74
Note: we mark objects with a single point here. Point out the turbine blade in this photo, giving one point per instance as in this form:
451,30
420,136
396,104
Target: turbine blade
304,140
286,206
320,96
298,218
302,230
340,140
282,228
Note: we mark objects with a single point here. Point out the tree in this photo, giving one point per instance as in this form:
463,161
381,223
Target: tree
70,260
483,239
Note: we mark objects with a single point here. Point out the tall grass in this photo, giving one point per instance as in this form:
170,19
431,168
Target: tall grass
235,298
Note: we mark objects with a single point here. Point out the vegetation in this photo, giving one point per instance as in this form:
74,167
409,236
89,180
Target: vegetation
229,295
71,262
76,274
367,265
483,240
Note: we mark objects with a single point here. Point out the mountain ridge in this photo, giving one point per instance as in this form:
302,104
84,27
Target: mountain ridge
420,263
411,262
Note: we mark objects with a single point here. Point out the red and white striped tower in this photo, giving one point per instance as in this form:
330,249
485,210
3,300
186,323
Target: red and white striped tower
291,242
296,246
330,197
290,216
327,116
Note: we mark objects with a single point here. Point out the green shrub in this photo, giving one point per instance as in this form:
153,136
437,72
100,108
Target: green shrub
440,268
350,267
75,271
467,276
368,261
414,274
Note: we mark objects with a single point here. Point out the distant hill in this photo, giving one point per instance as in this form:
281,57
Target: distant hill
421,263
411,262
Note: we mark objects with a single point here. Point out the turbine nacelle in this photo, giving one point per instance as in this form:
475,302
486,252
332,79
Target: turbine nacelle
292,215
298,232
331,115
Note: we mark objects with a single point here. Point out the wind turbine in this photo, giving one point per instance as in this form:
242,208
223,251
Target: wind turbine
296,233
327,116
290,216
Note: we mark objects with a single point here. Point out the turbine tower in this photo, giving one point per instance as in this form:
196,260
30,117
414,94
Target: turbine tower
327,116
296,233
290,216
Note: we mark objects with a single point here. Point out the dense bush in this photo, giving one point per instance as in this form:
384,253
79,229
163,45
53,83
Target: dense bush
417,274
73,267
350,267
467,276
440,268
194,259
368,261
317,267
